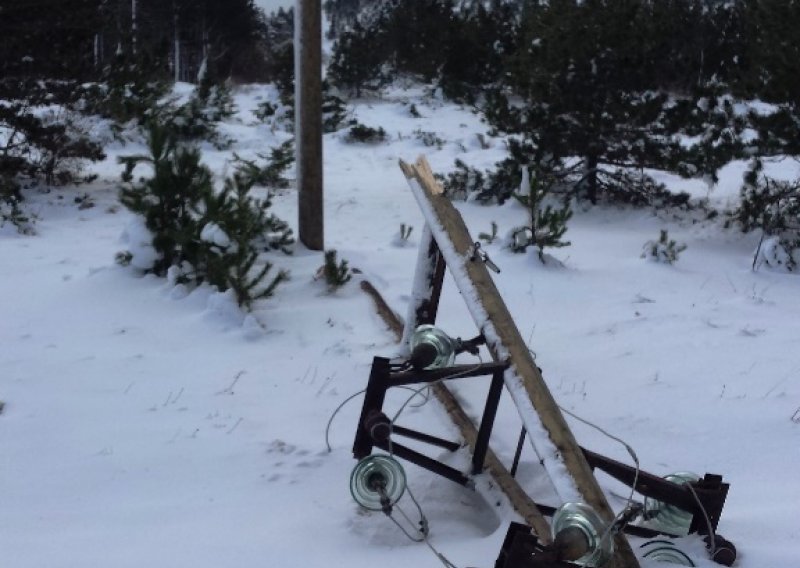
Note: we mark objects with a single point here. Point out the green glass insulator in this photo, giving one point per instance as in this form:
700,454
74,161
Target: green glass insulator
431,348
377,481
578,527
669,518
662,551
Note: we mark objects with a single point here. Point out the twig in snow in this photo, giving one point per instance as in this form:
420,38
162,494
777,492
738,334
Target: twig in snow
530,336
229,388
758,250
235,425
325,383
171,400
781,381
796,416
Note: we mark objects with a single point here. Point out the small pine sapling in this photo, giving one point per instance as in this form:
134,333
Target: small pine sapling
198,118
547,224
462,182
272,174
196,235
125,91
11,209
337,273
169,199
405,231
491,236
359,133
663,250
265,110
773,206
401,239
334,112
235,224
777,253
429,139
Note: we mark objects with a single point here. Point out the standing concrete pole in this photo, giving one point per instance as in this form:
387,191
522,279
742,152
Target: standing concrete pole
308,121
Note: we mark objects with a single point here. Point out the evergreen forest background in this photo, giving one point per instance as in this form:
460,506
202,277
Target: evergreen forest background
594,93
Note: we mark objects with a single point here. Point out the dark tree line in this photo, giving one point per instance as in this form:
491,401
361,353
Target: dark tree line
76,39
61,59
751,46
429,39
595,91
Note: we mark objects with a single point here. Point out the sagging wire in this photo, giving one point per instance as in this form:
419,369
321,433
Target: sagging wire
712,548
631,509
423,522
404,366
627,447
425,399
416,392
712,544
630,506
333,415
424,529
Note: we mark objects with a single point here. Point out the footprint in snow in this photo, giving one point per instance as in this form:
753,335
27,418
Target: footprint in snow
291,457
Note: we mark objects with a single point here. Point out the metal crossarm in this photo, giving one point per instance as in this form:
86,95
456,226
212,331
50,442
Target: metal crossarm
376,430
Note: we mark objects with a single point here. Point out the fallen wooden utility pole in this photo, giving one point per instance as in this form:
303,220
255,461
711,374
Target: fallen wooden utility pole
448,241
522,503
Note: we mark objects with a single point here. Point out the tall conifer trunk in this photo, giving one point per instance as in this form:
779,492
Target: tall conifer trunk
591,177
133,27
176,54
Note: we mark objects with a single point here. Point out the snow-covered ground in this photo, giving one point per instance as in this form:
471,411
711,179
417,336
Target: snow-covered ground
270,6
144,427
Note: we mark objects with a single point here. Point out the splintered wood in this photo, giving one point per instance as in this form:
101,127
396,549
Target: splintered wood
548,431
